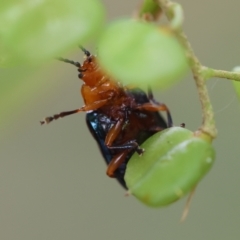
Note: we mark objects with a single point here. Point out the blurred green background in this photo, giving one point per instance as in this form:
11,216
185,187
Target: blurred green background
52,178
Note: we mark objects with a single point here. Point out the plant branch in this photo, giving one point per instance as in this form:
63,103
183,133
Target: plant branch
209,73
208,124
174,14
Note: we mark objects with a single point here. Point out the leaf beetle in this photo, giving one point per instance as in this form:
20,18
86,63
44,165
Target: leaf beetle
120,118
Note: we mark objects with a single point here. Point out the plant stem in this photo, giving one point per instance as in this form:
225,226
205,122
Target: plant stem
208,124
209,72
174,13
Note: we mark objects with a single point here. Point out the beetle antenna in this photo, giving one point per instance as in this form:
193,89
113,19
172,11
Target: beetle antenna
86,52
77,64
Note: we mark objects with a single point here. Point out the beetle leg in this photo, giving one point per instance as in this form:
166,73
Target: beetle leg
158,107
88,107
152,99
94,105
153,107
118,159
131,145
116,162
114,132
150,94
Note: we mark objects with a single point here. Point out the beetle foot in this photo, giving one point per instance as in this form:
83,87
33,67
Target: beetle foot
46,120
140,151
182,125
50,119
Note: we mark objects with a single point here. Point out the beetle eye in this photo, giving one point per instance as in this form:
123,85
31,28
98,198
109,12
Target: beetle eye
80,75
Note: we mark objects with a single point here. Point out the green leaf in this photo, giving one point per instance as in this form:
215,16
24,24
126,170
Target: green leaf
141,53
173,164
32,31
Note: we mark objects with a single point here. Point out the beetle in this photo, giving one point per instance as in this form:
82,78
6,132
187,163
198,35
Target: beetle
120,118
